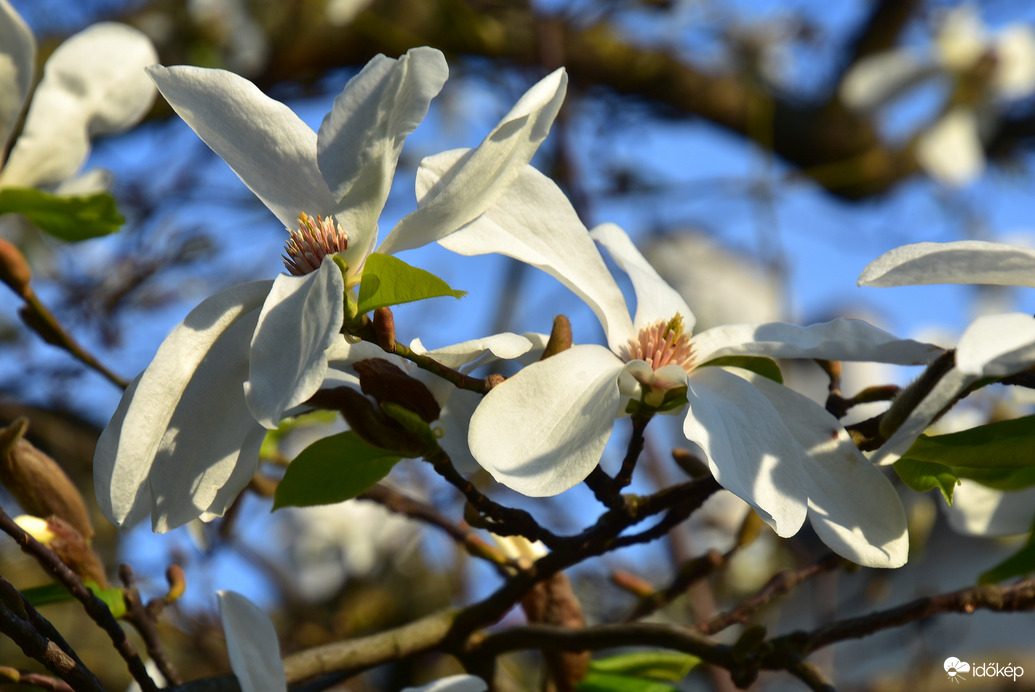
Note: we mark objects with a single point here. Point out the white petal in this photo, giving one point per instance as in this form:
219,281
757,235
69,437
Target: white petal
852,506
960,262
17,66
504,346
839,339
361,138
93,84
879,78
655,299
266,144
481,177
458,406
951,151
251,642
300,320
997,345
1014,76
543,430
454,683
961,39
978,510
183,427
536,224
750,451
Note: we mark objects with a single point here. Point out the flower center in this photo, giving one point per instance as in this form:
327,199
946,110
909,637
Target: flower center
314,240
660,344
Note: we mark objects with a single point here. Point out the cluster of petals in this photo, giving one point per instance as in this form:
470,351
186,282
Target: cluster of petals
184,440
544,430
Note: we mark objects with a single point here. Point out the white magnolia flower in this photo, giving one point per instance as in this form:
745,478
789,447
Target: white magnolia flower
251,642
184,440
453,683
93,84
543,430
978,510
991,346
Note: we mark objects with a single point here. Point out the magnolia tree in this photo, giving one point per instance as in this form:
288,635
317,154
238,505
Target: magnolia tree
296,392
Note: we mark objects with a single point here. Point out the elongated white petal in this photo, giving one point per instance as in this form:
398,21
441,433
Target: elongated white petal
536,224
266,145
183,427
997,345
978,510
504,346
852,506
458,406
361,138
543,430
750,451
951,151
93,84
478,179
1014,76
251,642
877,79
299,322
960,262
454,683
839,339
17,66
655,299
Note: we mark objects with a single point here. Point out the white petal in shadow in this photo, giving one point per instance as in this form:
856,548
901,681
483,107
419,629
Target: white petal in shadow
960,262
251,642
454,683
978,510
17,67
997,345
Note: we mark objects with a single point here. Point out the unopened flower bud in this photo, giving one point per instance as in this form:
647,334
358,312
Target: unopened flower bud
38,483
68,544
14,270
384,328
560,337
177,583
387,382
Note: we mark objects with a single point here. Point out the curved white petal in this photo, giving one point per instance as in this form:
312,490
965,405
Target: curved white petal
879,78
458,406
839,339
750,450
978,510
183,426
251,642
474,183
360,140
951,151
543,430
267,146
454,683
535,223
17,66
960,262
93,84
997,345
300,320
1014,76
852,506
504,346
655,299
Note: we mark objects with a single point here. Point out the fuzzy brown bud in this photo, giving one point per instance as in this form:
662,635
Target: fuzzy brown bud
368,421
387,382
38,483
560,337
553,602
384,328
14,270
70,547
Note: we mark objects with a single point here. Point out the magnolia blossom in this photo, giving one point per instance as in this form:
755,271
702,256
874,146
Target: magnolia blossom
185,438
544,430
93,84
252,644
991,346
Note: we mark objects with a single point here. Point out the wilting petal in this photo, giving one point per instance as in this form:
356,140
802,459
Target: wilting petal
978,510
544,429
262,140
93,84
961,262
361,138
951,151
17,65
183,426
997,345
473,183
454,683
535,223
655,299
839,339
750,451
879,78
852,506
299,322
251,642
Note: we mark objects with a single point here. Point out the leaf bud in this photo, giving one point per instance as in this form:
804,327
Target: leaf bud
14,270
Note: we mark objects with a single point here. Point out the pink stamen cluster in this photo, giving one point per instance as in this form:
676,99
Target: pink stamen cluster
660,344
314,240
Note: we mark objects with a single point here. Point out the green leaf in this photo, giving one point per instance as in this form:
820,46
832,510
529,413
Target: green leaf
272,439
68,218
766,367
658,665
1005,444
922,476
1021,563
331,470
112,598
612,682
57,593
390,281
1001,479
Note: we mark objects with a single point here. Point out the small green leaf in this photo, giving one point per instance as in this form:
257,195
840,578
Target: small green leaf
389,281
68,218
657,665
112,598
273,437
1005,444
57,593
766,367
922,476
613,682
331,470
